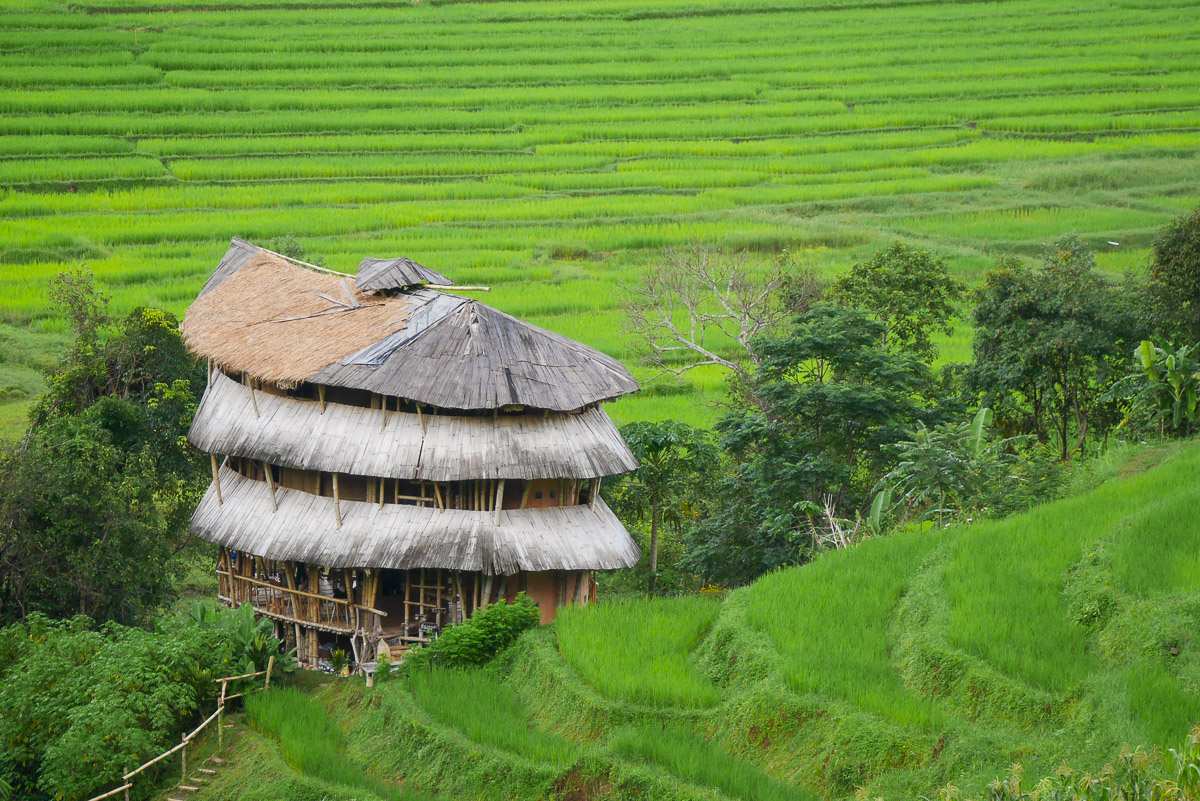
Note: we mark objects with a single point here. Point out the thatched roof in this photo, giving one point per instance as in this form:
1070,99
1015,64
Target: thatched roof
399,536
294,432
280,323
399,273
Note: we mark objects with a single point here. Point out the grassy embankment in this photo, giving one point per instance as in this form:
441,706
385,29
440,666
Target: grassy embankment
915,660
552,149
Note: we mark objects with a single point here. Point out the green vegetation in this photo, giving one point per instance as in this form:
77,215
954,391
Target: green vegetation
479,705
551,150
480,637
830,620
640,651
694,759
312,744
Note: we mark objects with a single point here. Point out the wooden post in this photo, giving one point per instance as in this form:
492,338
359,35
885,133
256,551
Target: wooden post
499,499
221,717
487,592
437,494
502,592
209,384
183,758
270,666
525,494
421,419
458,594
250,386
337,504
383,488
270,485
321,393
216,479
385,412
595,493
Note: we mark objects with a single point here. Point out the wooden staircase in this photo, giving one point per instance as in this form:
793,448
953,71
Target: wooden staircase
195,783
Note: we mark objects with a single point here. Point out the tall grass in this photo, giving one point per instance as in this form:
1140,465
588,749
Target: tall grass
312,744
698,761
639,650
1005,578
479,705
830,622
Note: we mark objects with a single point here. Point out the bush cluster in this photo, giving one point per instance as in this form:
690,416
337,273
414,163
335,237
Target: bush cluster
480,637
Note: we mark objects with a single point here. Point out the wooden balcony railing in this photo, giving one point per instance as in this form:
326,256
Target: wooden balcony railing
296,606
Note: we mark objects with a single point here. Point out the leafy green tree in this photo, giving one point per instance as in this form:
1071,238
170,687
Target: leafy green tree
1162,392
813,421
907,289
674,459
1048,343
94,502
1175,275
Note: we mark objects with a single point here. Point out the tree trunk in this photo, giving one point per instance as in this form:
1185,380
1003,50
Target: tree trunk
654,514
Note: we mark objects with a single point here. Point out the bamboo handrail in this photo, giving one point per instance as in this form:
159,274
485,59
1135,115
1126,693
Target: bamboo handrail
111,793
187,738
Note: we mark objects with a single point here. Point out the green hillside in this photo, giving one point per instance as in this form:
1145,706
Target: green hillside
910,662
552,149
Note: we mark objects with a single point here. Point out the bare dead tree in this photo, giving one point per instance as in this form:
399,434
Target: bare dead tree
688,309
837,532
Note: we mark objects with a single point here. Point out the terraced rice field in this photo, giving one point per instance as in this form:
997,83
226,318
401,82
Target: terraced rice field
553,149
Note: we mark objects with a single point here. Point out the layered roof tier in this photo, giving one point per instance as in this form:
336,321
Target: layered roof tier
339,438
296,525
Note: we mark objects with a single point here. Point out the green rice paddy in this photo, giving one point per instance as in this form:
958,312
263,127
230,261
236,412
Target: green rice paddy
552,150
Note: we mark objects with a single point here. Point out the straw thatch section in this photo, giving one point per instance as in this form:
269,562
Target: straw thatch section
282,324
293,432
400,536
400,273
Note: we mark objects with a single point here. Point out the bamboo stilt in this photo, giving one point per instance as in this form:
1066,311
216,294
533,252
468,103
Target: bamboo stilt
337,503
499,499
321,394
217,479
270,485
525,494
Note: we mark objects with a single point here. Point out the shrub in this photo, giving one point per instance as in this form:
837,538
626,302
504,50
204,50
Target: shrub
480,637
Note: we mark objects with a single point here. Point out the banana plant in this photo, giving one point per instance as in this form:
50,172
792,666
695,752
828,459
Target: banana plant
1163,390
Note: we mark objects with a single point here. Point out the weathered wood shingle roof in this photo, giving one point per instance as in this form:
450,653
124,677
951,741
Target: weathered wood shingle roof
398,273
283,324
398,536
294,432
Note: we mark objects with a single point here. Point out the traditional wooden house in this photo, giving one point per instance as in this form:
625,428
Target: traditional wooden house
388,457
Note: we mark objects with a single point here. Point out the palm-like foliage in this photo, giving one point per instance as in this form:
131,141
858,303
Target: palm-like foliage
1163,390
950,471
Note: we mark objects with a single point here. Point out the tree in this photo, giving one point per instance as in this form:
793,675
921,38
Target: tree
673,461
701,307
1048,343
909,291
94,502
812,421
1175,274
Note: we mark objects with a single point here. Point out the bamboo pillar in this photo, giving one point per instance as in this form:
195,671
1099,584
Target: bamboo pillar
289,572
270,485
216,478
337,504
321,394
499,499
487,592
525,494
